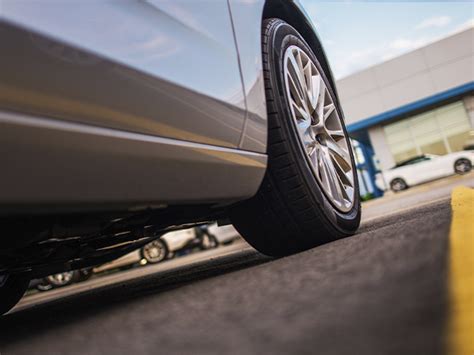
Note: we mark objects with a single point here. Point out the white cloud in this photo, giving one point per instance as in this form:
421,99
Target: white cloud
372,50
439,21
366,57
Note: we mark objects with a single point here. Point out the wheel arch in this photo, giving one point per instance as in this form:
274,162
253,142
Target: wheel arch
463,157
398,177
294,14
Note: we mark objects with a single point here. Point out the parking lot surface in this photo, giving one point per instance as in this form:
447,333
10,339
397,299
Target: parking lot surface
415,197
382,291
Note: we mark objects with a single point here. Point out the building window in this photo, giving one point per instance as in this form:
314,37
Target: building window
439,131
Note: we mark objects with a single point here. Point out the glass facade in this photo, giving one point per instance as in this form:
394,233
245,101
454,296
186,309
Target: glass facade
439,131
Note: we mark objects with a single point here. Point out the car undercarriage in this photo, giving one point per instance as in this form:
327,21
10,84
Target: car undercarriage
47,245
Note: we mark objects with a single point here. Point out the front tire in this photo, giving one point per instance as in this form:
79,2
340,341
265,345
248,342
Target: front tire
12,290
462,166
305,199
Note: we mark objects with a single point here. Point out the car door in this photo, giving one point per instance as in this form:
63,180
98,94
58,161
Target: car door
421,170
161,67
440,166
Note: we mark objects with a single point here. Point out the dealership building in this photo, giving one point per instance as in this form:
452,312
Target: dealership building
419,103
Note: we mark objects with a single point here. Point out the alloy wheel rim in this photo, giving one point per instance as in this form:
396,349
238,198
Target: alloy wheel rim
319,127
154,251
462,166
398,185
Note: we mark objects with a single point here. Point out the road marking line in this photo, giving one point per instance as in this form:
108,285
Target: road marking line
461,273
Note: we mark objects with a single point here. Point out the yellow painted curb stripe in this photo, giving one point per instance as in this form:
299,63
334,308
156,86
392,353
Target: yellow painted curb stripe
461,273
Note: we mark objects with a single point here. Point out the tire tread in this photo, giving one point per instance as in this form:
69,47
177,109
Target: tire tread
282,217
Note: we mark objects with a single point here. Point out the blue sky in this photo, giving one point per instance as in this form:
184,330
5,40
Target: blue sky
358,34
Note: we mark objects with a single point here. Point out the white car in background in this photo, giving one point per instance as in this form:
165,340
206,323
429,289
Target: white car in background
202,237
154,252
424,168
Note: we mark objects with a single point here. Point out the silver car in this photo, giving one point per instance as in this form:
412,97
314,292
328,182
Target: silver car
121,120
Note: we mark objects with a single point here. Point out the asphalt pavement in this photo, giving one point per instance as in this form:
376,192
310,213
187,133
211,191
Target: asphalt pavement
381,291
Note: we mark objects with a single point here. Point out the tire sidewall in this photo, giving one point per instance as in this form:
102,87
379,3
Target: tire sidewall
284,36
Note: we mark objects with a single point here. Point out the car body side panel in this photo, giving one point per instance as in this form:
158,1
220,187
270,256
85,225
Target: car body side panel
166,68
422,172
178,239
121,105
224,234
50,165
443,165
412,174
247,21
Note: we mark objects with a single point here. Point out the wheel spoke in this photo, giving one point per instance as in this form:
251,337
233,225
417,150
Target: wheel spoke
313,88
311,149
336,185
344,182
297,75
335,134
323,171
340,152
320,128
321,97
344,175
300,112
296,91
303,122
300,64
328,110
312,152
316,88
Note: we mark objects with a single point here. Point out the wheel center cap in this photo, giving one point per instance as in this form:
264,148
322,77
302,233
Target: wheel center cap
321,139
